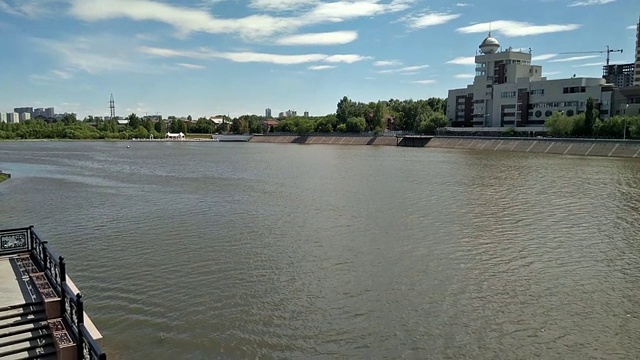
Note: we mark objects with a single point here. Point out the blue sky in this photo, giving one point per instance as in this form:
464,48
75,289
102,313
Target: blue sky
207,57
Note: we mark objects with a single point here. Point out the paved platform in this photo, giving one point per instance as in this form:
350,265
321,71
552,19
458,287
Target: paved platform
16,288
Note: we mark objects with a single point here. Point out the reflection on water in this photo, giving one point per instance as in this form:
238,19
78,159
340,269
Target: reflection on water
215,250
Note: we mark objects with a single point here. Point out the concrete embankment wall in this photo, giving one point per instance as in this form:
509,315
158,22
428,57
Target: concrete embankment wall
326,139
582,147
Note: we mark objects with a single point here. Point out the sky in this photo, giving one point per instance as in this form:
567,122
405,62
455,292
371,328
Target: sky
209,57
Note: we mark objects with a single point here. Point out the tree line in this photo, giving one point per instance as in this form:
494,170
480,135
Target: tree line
588,124
422,116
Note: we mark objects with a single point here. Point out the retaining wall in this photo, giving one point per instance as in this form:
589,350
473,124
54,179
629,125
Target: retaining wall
583,147
326,139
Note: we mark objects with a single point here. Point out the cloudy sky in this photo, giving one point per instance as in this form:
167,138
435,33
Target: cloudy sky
206,57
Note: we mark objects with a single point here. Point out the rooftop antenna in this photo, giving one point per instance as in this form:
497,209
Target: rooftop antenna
112,107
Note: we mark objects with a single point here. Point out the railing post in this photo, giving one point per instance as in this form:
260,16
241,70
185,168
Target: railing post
32,240
63,281
79,321
44,254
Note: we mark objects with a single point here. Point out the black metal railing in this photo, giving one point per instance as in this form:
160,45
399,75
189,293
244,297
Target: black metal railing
71,304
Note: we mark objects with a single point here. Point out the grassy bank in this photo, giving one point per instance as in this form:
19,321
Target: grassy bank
4,176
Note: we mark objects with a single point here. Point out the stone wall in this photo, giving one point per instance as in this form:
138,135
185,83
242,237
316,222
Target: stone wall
326,140
582,147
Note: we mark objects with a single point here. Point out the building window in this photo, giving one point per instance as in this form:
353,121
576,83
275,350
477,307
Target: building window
538,113
569,112
508,94
548,113
537,92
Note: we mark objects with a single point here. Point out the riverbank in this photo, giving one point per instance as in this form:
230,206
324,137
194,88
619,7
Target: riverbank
4,176
326,139
576,147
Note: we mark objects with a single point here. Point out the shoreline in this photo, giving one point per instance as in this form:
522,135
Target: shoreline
559,146
4,176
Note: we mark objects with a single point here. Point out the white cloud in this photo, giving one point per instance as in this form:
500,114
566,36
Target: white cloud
631,27
589,64
429,81
257,26
185,20
52,77
191,66
62,74
369,78
349,59
278,5
321,67
591,2
429,19
463,5
341,10
30,8
510,28
327,38
575,58
547,73
407,69
92,54
543,57
469,60
248,57
464,76
387,63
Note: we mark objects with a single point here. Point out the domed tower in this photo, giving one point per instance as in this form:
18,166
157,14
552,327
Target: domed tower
489,45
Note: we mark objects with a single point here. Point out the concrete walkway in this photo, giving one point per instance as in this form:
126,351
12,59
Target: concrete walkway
16,287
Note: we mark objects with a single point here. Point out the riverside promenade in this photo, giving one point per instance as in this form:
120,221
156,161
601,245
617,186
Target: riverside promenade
41,310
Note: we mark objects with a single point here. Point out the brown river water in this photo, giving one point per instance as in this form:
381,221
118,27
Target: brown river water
264,251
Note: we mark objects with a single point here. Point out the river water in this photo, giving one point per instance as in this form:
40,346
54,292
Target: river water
246,251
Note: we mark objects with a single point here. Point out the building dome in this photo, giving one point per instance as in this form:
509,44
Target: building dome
489,45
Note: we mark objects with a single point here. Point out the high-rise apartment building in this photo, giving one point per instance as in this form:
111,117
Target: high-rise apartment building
267,112
13,118
306,114
48,112
23,110
24,116
620,75
3,117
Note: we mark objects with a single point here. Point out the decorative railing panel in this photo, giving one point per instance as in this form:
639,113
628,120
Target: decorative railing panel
13,241
90,349
72,310
49,260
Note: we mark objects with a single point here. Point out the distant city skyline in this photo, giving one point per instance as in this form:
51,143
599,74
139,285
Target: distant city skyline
201,58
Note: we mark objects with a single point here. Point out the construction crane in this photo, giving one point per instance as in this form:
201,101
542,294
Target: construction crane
608,51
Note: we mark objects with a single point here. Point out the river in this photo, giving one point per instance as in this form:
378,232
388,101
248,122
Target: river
189,250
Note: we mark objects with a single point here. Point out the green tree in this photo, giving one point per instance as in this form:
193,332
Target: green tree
378,119
160,127
134,121
304,126
344,110
559,125
590,115
356,125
